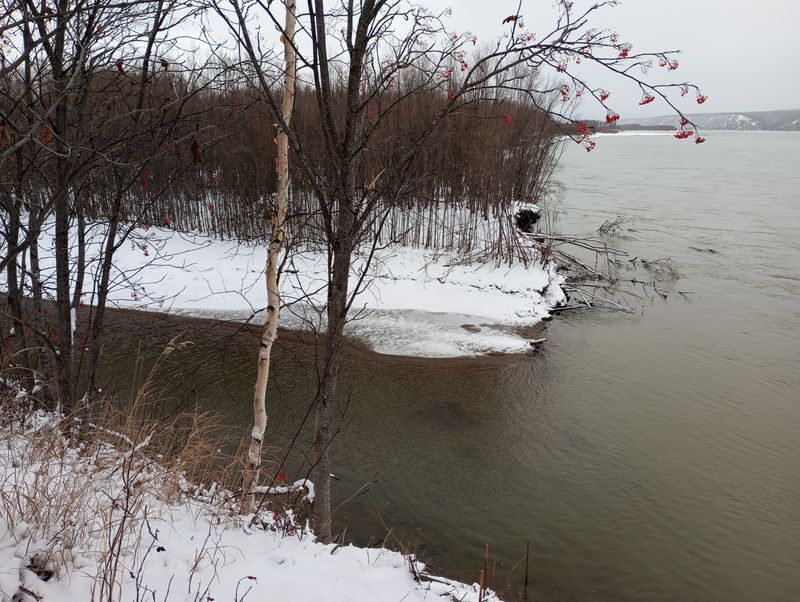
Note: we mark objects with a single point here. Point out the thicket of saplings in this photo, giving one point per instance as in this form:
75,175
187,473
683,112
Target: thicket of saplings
201,157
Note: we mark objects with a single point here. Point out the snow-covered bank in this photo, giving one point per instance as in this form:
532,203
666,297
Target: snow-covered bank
414,302
102,523
629,133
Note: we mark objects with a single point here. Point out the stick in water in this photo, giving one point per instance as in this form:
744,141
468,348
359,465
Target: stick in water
527,555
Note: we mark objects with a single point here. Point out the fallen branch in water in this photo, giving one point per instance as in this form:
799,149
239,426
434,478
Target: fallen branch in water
602,299
589,305
554,246
567,307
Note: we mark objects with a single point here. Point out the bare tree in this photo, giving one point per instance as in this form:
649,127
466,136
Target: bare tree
366,61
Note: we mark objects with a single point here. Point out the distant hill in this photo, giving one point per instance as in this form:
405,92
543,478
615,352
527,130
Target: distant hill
779,121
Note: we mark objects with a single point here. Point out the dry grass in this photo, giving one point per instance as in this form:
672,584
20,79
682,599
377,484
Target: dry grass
663,269
95,484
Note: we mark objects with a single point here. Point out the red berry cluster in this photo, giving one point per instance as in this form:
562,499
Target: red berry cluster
446,74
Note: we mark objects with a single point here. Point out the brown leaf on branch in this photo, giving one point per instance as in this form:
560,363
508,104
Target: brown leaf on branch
46,136
510,19
120,68
164,64
197,157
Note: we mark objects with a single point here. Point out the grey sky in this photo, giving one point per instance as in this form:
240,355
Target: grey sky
744,54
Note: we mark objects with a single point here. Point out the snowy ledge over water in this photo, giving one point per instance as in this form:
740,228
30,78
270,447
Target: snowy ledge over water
414,302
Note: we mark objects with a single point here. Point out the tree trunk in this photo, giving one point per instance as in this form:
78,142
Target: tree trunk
43,363
63,301
61,209
322,441
95,340
252,461
325,401
342,246
14,298
80,268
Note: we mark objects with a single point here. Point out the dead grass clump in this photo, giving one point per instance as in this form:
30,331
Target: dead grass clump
90,490
613,227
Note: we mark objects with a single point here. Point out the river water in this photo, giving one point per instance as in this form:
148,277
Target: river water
645,456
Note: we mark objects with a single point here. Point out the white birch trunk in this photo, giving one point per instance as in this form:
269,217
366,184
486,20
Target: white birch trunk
252,460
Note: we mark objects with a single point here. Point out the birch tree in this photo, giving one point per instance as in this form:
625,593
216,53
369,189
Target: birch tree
277,236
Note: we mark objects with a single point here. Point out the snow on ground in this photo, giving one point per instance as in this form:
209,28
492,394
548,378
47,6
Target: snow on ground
415,302
73,520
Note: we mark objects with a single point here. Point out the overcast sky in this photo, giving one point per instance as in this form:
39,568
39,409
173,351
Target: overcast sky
744,54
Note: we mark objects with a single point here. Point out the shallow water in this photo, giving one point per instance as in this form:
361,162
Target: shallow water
646,456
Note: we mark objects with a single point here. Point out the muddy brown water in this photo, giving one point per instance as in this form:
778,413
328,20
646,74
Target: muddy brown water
653,456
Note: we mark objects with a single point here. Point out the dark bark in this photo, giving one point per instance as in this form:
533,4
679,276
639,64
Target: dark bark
62,214
14,298
326,395
42,364
63,305
96,337
80,265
